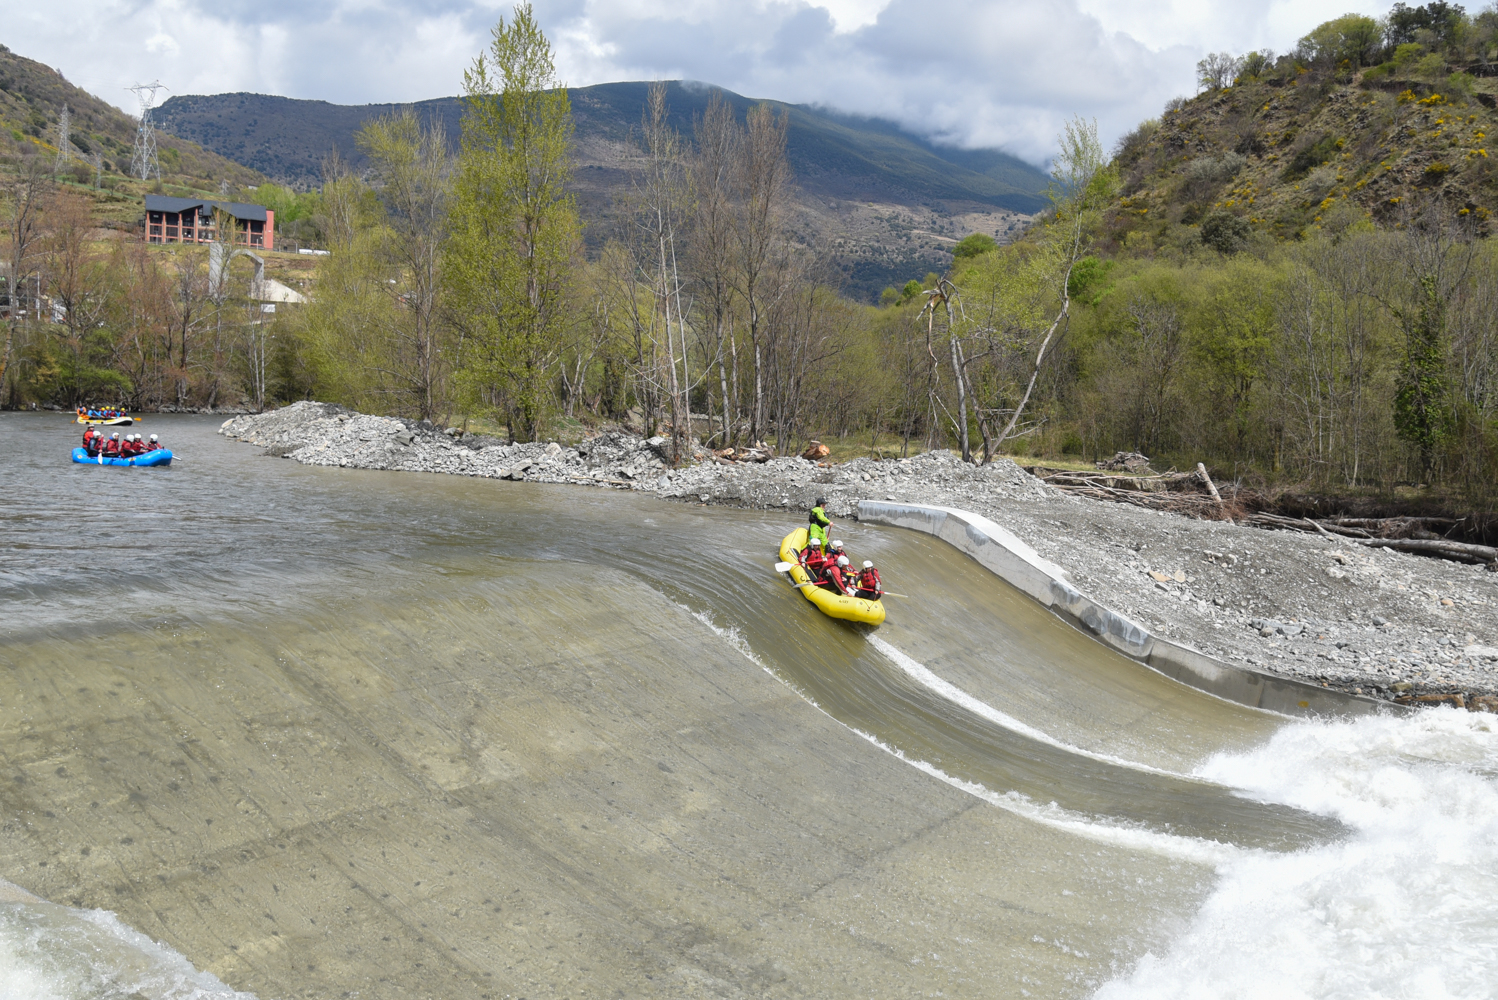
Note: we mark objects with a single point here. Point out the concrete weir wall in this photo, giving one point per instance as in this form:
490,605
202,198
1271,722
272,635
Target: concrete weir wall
1002,552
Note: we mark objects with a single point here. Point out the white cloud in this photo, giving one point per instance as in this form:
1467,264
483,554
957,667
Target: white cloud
974,72
162,44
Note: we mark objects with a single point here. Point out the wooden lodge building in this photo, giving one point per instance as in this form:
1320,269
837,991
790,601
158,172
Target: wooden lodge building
190,220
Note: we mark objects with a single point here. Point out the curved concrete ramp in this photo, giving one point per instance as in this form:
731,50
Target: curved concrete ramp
327,732
1016,563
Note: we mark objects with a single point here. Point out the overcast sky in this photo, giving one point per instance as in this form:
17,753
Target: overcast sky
1000,73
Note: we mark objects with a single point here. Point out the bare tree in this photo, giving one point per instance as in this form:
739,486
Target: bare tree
24,191
75,277
663,201
718,139
942,299
1082,183
762,177
189,301
1218,70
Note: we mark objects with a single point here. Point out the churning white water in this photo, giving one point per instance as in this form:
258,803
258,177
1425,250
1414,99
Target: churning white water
52,952
1405,907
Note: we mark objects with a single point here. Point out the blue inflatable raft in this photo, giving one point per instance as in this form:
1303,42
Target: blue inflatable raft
161,456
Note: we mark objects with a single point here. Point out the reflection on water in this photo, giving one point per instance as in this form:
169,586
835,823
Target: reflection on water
317,727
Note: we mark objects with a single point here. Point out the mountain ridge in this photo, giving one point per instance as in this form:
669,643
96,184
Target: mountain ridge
831,152
885,204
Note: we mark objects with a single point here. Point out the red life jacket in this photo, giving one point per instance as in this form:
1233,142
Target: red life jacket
112,448
869,584
834,576
151,446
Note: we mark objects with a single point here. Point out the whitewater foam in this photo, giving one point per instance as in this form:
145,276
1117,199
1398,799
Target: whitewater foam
1406,906
52,952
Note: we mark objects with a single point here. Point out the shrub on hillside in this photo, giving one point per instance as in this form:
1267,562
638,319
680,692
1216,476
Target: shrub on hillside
1215,169
1311,156
1225,232
1130,146
1431,69
974,245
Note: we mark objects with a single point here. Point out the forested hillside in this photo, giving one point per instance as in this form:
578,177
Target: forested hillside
1361,120
1295,279
888,204
32,97
1288,277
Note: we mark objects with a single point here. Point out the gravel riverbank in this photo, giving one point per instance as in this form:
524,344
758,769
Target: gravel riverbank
1368,621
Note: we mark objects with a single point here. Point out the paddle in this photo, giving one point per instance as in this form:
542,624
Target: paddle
783,567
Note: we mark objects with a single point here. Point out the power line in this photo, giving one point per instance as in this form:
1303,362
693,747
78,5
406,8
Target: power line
144,162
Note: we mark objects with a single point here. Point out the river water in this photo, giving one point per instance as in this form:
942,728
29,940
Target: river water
307,732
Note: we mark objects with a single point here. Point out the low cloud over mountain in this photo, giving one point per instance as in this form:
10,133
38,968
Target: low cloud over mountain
971,72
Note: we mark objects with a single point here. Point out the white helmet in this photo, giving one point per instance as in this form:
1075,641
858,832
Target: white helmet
867,564
115,434
842,560
837,545
817,542
153,437
129,437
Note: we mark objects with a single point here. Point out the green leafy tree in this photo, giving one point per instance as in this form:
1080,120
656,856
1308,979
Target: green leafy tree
352,326
514,231
1083,184
1255,65
1352,38
1422,412
411,168
973,245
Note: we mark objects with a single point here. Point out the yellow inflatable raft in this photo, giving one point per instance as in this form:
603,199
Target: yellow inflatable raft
853,609
122,420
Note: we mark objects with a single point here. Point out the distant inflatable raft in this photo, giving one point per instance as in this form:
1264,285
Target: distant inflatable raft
853,609
161,456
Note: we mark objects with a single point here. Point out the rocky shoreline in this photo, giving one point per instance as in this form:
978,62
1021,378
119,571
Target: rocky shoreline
1391,625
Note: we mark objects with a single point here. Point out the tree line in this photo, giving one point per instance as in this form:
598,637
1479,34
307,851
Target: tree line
458,286
109,321
1438,42
1354,359
1350,361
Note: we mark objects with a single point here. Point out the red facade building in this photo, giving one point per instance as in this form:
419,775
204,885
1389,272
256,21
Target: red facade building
191,220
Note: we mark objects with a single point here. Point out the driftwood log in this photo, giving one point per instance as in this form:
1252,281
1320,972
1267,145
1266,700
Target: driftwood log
1182,493
1460,551
1362,533
1201,470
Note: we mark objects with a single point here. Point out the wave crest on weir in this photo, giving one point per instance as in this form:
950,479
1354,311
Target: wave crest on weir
1406,906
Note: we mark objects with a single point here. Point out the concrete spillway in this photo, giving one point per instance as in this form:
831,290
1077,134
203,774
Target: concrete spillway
320,732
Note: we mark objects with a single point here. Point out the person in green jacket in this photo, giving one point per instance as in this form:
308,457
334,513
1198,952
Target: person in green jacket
820,523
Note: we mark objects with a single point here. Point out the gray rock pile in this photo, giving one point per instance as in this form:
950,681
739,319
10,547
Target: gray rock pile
326,434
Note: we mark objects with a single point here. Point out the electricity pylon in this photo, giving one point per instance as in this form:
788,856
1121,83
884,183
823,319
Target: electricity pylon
144,163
